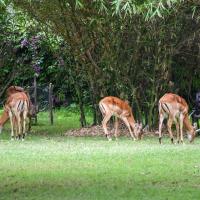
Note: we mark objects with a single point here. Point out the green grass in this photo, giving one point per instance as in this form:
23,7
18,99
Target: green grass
64,119
52,166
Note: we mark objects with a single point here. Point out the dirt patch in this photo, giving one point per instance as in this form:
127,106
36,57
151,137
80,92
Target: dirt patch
98,131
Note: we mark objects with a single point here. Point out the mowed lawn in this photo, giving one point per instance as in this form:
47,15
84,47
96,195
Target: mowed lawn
53,166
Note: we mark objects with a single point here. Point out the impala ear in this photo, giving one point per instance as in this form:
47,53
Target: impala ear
195,126
140,130
139,126
127,101
146,128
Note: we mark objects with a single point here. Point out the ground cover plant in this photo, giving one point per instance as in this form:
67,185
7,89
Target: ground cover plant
49,165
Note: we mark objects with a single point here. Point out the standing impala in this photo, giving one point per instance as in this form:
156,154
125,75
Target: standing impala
21,93
17,106
175,108
5,116
110,106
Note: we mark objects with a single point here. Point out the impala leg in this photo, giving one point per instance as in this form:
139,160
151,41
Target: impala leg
29,124
24,129
19,126
177,131
11,124
116,128
181,127
129,128
160,127
104,124
169,126
15,127
24,125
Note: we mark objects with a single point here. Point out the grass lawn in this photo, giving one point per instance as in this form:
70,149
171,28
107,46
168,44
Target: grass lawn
48,165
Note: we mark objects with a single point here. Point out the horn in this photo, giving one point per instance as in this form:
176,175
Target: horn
191,113
198,130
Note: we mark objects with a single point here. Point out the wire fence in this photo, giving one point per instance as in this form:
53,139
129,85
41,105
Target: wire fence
41,98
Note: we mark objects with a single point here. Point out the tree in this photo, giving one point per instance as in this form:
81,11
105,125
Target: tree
129,49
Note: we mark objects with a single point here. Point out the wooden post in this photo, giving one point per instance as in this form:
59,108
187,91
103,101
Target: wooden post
35,95
51,103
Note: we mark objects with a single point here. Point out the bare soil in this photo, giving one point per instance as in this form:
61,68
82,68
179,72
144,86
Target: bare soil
98,131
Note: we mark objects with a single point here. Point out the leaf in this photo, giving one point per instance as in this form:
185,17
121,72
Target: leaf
116,6
2,3
193,11
159,14
79,4
169,3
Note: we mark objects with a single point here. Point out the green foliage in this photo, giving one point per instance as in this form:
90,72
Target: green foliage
137,50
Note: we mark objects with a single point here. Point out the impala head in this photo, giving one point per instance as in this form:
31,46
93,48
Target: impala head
32,110
191,134
138,130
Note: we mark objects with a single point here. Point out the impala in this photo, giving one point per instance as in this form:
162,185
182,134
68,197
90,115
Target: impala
175,108
17,106
5,116
110,106
21,93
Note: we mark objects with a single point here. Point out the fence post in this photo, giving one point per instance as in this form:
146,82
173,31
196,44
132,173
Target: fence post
35,96
51,103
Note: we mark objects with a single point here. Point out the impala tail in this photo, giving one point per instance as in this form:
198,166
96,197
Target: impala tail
102,109
163,107
22,105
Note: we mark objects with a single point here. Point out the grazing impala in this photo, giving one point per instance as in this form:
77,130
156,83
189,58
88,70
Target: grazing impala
17,106
110,106
175,108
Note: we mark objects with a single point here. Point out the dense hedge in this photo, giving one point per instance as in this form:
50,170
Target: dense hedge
137,50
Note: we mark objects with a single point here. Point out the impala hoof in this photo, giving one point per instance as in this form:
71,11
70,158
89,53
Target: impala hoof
133,138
